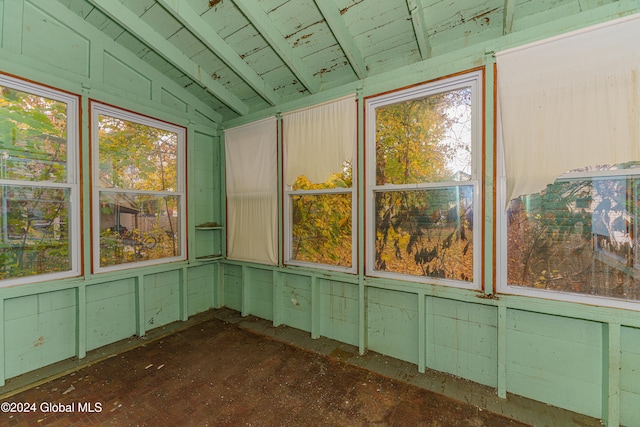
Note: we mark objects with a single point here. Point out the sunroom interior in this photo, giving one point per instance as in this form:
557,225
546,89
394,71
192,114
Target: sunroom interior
451,184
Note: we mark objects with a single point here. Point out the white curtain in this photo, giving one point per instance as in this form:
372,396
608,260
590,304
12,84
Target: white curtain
319,139
570,102
252,196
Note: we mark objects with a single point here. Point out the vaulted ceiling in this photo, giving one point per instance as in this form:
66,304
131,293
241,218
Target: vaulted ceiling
242,56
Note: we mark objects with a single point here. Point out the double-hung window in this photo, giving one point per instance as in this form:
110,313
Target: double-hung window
570,133
138,189
319,146
39,232
423,161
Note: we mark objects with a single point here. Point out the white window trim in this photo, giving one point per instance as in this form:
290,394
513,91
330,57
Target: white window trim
73,142
98,108
502,287
474,80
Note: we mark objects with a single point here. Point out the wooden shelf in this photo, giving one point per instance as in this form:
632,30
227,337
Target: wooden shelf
209,227
212,257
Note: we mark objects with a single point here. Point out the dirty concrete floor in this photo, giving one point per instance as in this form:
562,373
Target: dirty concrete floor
220,373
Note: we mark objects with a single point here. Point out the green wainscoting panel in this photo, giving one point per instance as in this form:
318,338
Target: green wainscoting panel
39,330
232,287
295,301
260,287
53,42
392,326
462,339
119,74
555,359
200,288
161,298
111,312
339,310
630,377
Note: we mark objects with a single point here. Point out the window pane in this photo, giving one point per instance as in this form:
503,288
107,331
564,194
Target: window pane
425,232
136,156
578,236
322,229
425,140
135,227
33,137
35,231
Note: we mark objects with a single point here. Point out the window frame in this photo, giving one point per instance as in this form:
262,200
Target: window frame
289,194
502,285
72,183
96,109
288,225
474,80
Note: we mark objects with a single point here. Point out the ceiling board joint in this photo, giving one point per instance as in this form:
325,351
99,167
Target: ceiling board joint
419,27
210,38
268,30
509,13
331,14
140,29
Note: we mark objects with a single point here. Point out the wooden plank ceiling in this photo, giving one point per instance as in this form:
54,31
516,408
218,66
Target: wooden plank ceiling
242,56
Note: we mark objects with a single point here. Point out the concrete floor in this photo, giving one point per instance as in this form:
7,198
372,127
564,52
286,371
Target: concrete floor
219,368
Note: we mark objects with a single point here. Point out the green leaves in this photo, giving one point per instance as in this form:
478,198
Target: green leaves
32,137
423,140
322,229
136,156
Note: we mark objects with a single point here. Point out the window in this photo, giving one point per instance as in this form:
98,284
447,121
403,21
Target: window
579,235
38,176
423,161
138,195
319,145
252,191
569,135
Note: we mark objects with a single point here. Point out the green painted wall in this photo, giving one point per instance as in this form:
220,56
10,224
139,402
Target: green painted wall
112,308
43,323
338,310
575,356
462,339
579,357
40,330
630,376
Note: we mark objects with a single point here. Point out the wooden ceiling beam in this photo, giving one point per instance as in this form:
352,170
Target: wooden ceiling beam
331,14
136,26
509,12
263,24
419,27
192,21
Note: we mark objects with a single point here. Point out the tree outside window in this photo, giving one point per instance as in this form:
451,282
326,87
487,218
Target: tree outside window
139,193
322,220
422,175
38,182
